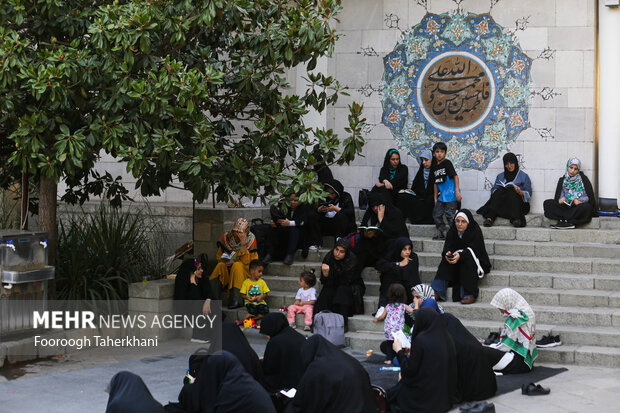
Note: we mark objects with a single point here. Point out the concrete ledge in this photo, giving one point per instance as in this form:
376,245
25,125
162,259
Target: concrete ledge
49,351
153,290
150,305
21,350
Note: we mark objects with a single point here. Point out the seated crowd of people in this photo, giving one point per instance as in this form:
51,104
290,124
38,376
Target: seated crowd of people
445,364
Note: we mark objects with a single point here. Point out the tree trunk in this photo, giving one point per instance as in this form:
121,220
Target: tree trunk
47,214
23,223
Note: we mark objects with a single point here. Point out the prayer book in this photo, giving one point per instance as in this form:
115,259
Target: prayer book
507,184
369,228
402,338
289,393
566,202
229,257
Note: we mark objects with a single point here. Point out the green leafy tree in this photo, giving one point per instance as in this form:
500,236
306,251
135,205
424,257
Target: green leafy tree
193,89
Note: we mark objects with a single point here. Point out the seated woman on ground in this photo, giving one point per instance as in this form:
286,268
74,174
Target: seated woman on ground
393,177
516,351
419,207
464,259
574,203
387,218
236,248
510,195
429,376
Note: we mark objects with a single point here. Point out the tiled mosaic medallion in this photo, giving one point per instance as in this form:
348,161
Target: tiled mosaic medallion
459,78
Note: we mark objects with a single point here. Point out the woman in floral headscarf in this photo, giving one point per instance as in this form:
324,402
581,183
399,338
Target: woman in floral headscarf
516,351
236,248
574,202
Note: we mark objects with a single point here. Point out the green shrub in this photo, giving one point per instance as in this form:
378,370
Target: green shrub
100,254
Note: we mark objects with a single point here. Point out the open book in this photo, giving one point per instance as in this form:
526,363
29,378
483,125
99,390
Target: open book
402,338
406,191
507,184
369,228
229,257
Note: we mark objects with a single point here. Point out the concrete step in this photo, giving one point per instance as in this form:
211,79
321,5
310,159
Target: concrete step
603,236
531,249
541,295
565,354
545,314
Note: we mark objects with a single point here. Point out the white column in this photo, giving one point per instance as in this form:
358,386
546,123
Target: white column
608,105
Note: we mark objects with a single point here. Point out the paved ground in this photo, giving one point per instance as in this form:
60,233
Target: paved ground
76,383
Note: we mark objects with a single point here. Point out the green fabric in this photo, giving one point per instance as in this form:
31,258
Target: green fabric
573,184
514,323
521,350
392,171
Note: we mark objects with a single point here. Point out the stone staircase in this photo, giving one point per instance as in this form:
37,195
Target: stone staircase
571,278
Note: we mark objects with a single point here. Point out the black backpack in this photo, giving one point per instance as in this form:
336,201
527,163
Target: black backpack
261,232
195,361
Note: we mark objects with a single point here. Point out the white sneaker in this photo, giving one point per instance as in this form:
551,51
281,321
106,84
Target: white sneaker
313,248
198,340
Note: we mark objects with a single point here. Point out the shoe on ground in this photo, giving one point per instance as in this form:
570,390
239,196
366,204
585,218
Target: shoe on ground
563,224
516,222
533,389
440,235
199,340
267,259
313,248
488,222
478,407
549,341
288,260
470,299
492,338
304,252
307,327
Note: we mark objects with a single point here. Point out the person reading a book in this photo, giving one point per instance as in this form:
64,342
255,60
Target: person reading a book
236,248
287,232
369,246
418,202
574,202
429,376
336,214
387,217
464,259
393,177
510,195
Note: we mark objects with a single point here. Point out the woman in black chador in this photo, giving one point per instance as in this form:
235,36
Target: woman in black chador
333,381
429,377
419,207
510,195
393,176
464,259
340,275
387,218
282,364
401,266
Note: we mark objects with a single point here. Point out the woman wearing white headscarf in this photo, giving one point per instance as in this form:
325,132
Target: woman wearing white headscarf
574,202
516,351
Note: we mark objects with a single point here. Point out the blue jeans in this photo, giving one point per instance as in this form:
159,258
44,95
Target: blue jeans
441,288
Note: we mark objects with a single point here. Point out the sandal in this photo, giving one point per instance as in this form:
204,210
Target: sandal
533,389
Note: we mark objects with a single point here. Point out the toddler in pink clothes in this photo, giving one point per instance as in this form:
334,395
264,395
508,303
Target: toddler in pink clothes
304,300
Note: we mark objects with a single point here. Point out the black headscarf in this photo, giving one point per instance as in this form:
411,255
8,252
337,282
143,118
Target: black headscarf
472,238
236,343
184,289
429,377
333,381
476,379
282,362
224,386
398,176
337,187
393,224
510,157
129,394
343,271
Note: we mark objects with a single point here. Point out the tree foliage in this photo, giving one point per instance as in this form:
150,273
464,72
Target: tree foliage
194,89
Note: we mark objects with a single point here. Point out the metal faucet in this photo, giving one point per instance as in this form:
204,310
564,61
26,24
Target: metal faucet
8,245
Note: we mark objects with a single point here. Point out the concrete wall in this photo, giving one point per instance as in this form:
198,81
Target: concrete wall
566,27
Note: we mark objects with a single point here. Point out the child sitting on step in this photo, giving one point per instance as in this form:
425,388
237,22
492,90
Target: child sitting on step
394,316
254,291
304,300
